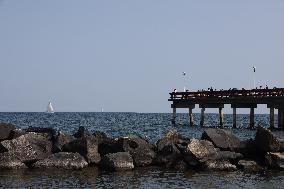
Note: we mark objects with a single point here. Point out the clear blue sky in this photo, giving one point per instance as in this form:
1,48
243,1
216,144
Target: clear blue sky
127,55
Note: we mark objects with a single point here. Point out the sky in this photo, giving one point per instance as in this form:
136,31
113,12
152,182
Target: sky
127,55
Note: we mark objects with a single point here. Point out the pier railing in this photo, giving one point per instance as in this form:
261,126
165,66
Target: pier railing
233,93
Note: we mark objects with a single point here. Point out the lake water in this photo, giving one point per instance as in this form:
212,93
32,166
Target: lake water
148,125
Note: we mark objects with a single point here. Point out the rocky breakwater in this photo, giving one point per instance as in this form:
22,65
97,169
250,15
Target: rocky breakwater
217,149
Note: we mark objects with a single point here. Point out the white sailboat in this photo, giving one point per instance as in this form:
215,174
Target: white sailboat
49,108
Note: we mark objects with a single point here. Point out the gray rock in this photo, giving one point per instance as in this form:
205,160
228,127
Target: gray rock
29,147
64,160
5,129
85,144
141,150
168,154
250,166
265,141
108,146
200,151
223,165
60,140
170,148
10,161
222,139
87,147
275,160
172,136
117,162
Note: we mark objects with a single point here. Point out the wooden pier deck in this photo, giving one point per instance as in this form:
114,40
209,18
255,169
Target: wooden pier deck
273,98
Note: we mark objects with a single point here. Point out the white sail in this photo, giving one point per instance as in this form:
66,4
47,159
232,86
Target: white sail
49,108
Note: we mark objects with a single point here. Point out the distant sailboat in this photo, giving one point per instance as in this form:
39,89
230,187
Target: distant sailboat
49,108
102,110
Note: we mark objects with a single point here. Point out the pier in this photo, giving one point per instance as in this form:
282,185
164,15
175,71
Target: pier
273,98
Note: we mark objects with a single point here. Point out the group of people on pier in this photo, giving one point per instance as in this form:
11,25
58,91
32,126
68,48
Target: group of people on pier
232,92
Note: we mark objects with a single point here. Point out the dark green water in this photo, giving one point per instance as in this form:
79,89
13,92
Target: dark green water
148,125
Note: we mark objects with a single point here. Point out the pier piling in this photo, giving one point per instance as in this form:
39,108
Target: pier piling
221,117
190,116
234,117
174,115
251,125
281,118
202,117
271,118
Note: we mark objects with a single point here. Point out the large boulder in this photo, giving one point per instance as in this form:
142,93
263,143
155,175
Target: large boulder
265,141
222,139
141,150
30,147
5,130
199,152
170,148
10,161
117,162
87,147
275,160
168,155
172,136
60,140
64,160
